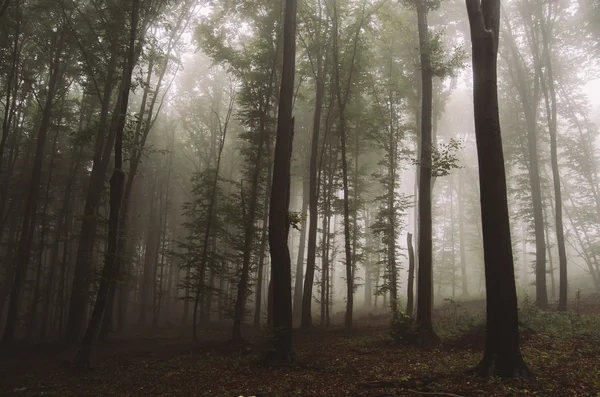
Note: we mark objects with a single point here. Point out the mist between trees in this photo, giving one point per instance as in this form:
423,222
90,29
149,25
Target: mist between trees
253,167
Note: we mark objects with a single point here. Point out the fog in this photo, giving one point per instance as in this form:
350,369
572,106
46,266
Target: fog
138,164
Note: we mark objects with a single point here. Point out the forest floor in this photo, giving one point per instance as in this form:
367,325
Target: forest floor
563,350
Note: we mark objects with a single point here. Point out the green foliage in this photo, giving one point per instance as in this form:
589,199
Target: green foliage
445,63
403,329
444,159
296,219
453,322
558,325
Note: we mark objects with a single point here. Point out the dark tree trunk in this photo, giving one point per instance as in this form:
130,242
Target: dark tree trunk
297,307
502,355
306,320
31,200
461,238
41,250
150,257
117,182
529,102
341,102
548,88
425,276
87,235
261,255
279,224
211,207
11,85
411,276
249,227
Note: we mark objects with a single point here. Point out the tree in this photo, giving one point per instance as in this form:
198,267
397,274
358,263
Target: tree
342,100
529,94
57,66
117,183
318,69
425,269
502,355
549,91
279,222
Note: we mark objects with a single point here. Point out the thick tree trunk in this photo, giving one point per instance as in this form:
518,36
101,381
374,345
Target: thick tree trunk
502,355
279,224
425,273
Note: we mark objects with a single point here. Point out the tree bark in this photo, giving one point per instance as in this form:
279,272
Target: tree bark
279,224
249,227
411,276
550,101
117,182
502,355
461,238
530,105
297,305
425,272
306,320
31,201
261,255
79,291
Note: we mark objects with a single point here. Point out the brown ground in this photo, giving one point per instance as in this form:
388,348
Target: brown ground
366,363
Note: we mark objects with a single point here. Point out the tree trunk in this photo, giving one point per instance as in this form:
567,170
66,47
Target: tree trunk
550,101
461,239
261,255
150,254
425,273
530,105
117,182
240,303
297,307
279,224
411,276
87,235
341,102
31,201
313,202
502,355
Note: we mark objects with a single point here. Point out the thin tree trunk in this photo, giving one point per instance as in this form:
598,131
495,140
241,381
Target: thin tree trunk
31,202
530,104
550,101
297,306
461,239
261,255
38,276
411,275
87,235
117,182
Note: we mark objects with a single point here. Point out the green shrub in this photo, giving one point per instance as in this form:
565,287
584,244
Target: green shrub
403,329
557,324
